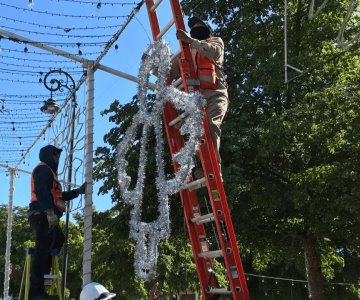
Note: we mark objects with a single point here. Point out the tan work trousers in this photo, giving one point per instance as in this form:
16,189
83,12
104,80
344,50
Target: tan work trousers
215,111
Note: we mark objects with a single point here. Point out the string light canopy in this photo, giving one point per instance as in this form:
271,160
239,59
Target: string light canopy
68,25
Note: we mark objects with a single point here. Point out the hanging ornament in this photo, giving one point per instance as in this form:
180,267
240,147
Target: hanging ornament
79,50
148,235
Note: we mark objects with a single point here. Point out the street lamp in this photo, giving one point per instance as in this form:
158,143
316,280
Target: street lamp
51,107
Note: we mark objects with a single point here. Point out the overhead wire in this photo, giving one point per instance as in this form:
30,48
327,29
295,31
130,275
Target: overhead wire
100,1
15,98
66,29
54,14
30,73
40,60
5,95
37,66
57,34
45,53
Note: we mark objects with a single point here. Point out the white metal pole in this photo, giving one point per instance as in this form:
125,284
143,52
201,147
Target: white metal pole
8,237
89,140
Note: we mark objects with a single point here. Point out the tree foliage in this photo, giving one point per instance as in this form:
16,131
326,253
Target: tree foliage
293,173
23,238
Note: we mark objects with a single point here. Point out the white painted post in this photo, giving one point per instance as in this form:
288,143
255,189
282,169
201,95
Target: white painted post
89,141
8,237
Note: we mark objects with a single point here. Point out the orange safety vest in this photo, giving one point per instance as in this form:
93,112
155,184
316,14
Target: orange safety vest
56,190
206,71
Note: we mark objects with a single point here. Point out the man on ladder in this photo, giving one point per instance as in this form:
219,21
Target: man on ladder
46,208
208,56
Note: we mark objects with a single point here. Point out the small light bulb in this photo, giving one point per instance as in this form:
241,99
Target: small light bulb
31,4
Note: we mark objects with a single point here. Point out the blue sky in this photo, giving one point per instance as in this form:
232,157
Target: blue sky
131,44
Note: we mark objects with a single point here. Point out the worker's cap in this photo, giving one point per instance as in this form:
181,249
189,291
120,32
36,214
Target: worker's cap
194,20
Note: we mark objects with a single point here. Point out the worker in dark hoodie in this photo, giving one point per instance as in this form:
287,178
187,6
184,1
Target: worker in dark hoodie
46,208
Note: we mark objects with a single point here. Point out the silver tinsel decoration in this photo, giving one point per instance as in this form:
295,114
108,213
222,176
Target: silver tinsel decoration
156,60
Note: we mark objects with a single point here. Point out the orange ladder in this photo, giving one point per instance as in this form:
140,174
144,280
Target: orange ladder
220,215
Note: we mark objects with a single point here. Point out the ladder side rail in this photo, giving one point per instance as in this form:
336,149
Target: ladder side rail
186,64
154,23
222,216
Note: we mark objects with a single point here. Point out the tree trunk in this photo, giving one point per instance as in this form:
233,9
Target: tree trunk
313,269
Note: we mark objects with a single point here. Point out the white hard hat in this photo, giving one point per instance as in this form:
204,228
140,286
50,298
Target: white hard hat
95,291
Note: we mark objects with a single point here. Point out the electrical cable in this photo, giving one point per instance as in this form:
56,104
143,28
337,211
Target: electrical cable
57,34
40,60
100,1
66,29
25,51
53,14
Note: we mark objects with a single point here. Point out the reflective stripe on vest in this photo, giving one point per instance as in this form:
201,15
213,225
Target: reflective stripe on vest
206,71
56,190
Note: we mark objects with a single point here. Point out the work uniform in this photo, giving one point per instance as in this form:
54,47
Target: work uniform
216,98
44,189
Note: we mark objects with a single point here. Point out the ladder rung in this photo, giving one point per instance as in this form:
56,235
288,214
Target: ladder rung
175,55
210,254
194,185
203,219
177,83
222,291
178,119
156,4
50,276
166,28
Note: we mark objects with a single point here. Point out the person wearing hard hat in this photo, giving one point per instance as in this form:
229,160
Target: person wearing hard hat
46,208
95,291
208,56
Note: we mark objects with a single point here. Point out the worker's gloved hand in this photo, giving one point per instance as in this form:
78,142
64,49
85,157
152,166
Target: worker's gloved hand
82,189
184,36
52,218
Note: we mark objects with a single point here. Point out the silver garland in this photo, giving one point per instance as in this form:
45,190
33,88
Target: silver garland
156,60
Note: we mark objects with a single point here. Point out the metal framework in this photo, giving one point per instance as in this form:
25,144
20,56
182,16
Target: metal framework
91,67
